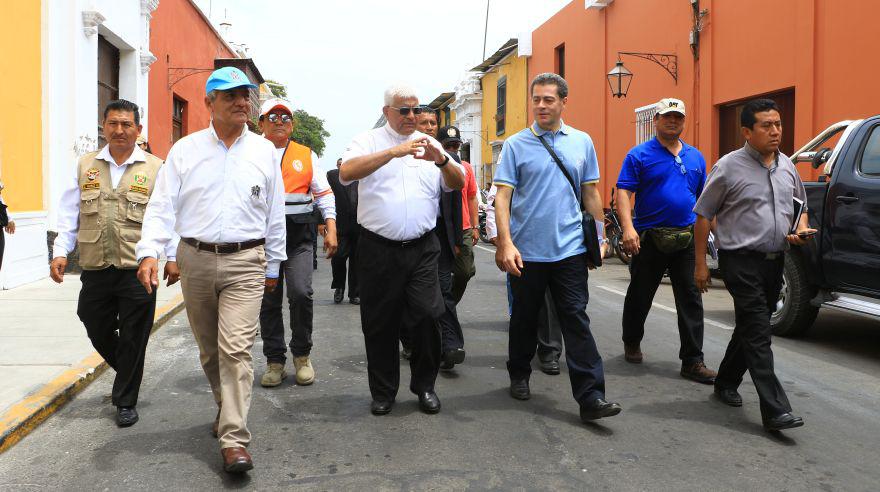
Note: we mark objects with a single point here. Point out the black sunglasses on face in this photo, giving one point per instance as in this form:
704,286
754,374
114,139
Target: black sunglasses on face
404,110
285,118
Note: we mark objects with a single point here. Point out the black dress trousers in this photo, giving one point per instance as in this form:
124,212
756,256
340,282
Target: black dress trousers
400,282
567,281
646,271
755,283
118,315
346,252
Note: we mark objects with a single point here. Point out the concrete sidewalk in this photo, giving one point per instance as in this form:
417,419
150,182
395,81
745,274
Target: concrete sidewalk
46,356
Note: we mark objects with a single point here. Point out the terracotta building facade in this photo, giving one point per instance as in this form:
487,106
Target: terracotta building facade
725,54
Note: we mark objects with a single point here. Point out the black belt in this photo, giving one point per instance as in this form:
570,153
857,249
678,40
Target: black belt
755,254
396,244
223,248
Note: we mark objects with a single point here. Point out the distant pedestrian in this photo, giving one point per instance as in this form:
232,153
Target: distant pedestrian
449,232
548,331
6,224
750,195
541,242
666,176
232,243
347,232
463,268
401,174
307,194
101,211
143,144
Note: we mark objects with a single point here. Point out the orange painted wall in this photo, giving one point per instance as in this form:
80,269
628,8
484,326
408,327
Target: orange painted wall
819,48
179,37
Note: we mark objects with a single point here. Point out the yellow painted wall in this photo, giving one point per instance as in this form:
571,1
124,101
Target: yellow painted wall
515,68
21,167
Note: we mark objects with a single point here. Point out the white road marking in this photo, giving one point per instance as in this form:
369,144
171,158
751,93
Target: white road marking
707,321
669,309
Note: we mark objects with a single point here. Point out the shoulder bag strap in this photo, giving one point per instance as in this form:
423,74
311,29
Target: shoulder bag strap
577,196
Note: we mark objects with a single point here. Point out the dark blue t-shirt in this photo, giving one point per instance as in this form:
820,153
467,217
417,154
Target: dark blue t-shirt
665,196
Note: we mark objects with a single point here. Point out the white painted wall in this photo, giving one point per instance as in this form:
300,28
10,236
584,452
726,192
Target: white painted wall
70,114
468,118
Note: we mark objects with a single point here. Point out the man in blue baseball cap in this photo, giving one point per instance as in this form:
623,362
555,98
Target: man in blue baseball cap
221,192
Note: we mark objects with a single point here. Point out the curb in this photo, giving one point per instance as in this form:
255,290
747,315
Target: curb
26,415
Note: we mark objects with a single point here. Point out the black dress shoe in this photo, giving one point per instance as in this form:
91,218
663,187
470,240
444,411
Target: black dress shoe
784,421
379,407
550,367
447,366
337,295
126,416
406,353
454,356
354,300
729,397
428,402
519,389
598,409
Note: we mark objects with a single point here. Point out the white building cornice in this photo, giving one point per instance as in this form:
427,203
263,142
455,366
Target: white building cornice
147,8
147,59
91,20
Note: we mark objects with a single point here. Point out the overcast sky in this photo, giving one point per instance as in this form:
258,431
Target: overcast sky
338,56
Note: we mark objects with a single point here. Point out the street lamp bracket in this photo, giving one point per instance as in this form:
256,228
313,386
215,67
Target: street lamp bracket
667,61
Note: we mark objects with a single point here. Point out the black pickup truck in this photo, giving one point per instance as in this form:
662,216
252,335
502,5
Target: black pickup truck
840,268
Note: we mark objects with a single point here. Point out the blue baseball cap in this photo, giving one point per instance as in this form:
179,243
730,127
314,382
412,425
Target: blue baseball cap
227,78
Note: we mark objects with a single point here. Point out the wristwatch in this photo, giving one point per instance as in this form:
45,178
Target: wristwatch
445,162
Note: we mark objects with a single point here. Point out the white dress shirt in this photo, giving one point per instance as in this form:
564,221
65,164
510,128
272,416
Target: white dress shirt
400,200
68,213
319,187
491,227
216,194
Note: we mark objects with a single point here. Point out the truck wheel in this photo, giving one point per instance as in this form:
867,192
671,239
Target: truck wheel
794,314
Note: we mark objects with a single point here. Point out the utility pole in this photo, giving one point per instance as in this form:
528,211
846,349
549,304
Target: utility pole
485,30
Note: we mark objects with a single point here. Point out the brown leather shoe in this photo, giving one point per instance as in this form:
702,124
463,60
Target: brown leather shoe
698,372
215,429
236,460
632,354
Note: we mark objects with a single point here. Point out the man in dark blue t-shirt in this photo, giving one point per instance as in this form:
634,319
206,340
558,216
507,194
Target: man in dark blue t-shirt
666,176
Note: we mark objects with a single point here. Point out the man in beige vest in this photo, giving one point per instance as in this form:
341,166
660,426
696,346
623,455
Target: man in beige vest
101,210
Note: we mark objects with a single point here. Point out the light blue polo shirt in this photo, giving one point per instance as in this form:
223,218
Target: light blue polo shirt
545,217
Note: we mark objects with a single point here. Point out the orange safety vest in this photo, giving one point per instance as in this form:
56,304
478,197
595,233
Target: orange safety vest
296,169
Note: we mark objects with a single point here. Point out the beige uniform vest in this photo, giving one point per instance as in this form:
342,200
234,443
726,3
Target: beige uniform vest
110,219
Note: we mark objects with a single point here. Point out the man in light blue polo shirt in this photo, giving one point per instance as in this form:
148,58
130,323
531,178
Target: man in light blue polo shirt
541,243
666,176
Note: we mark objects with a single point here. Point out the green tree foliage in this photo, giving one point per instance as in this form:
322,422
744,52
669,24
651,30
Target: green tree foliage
309,130
277,88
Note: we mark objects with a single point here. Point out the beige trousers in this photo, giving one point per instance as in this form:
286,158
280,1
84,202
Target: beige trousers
223,293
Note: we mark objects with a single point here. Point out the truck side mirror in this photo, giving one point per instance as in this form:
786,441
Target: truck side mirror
820,157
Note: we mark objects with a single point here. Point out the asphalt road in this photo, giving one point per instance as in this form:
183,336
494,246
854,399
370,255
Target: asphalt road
671,435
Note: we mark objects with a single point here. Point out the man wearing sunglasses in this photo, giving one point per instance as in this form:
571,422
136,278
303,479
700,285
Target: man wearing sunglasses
304,189
401,173
666,176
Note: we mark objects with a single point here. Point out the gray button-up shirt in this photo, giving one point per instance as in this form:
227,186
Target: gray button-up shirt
753,205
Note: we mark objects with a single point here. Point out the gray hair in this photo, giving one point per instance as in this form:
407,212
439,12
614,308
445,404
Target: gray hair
212,95
550,78
400,91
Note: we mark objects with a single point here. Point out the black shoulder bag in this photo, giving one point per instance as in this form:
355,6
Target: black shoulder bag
588,223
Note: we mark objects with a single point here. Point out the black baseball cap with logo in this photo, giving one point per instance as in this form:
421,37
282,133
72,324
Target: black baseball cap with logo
448,134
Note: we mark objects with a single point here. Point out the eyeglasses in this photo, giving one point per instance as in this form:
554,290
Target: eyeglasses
273,118
404,110
680,165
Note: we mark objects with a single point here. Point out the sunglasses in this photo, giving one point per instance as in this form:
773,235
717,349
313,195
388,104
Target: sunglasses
285,118
680,165
404,110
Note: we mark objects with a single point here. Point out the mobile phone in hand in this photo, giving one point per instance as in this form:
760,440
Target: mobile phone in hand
806,234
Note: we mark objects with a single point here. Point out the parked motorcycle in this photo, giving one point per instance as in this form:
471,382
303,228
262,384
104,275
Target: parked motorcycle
614,233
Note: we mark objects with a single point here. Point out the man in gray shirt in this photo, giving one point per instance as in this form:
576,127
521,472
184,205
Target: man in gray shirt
750,195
